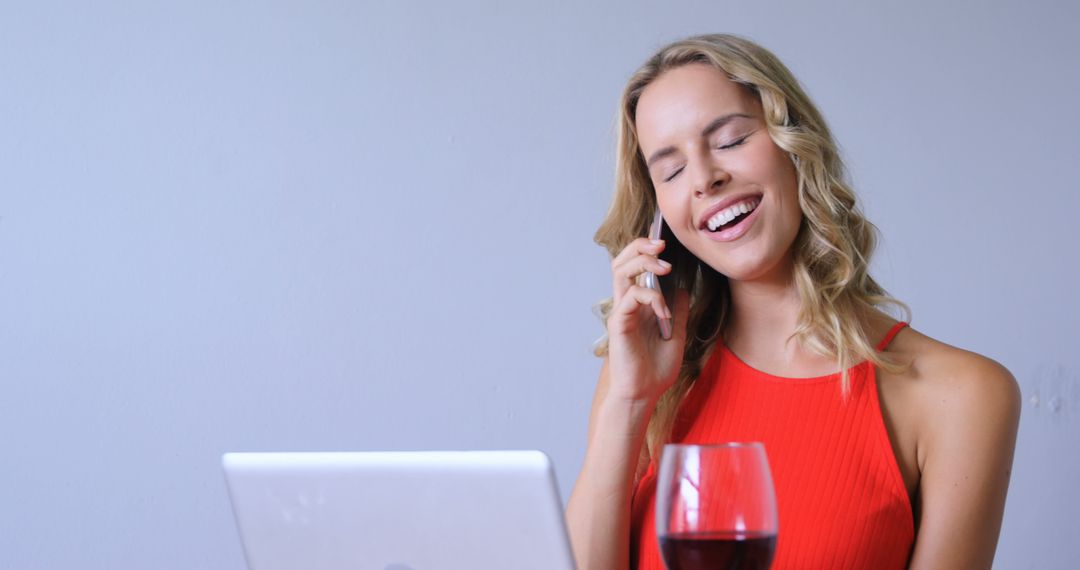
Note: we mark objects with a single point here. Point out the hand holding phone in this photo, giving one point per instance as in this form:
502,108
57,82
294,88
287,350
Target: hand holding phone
651,280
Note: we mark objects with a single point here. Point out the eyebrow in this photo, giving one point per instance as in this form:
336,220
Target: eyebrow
717,124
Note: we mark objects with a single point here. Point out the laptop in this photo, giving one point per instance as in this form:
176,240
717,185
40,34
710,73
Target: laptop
444,510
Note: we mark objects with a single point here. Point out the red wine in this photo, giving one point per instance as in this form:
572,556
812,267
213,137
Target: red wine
718,551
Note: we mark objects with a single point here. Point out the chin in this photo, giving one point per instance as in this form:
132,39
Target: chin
748,267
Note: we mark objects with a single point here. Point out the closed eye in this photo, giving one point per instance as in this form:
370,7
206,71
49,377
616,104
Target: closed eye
721,147
734,144
673,175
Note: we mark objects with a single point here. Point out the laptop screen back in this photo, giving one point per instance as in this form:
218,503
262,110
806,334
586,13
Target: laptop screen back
472,510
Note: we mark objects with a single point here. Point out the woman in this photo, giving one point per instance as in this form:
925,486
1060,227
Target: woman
889,449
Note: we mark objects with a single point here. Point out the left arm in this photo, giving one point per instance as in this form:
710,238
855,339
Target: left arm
970,435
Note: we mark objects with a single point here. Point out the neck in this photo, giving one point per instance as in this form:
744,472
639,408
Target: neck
764,312
762,321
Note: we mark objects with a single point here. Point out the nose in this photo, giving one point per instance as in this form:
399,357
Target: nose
706,175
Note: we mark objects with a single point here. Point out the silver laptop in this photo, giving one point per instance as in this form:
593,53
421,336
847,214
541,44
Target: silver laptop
445,510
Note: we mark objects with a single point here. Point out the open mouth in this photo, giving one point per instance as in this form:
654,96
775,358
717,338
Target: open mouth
732,215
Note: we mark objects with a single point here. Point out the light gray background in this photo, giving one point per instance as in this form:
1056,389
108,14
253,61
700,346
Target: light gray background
367,225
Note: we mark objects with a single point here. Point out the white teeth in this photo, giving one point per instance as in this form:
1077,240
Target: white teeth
730,213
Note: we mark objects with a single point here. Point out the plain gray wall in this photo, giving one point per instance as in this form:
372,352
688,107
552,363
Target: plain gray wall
367,225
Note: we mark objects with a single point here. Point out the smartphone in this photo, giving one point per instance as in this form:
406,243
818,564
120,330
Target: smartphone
652,281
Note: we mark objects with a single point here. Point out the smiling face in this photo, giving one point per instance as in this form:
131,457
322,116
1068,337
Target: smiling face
726,190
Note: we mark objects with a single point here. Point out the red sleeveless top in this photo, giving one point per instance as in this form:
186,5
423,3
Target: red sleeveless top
840,496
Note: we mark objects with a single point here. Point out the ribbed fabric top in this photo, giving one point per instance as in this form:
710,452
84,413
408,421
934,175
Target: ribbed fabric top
840,496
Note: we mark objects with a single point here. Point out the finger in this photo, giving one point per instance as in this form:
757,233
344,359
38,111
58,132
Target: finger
624,314
626,275
637,247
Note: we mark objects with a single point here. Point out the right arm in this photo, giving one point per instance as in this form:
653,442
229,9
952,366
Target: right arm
639,367
598,514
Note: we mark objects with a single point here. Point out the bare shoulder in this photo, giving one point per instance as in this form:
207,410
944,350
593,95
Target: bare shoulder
953,376
963,412
951,397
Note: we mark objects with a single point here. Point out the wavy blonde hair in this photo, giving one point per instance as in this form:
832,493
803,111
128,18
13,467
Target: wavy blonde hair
831,251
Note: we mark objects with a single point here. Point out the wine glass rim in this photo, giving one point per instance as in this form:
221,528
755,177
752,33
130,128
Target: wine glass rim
717,445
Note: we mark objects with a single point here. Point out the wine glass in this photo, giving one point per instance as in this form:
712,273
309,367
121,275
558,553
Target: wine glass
715,507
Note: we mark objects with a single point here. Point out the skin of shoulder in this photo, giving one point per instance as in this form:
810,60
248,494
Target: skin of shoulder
954,416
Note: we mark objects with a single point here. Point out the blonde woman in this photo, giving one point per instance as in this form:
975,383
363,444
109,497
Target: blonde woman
889,449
